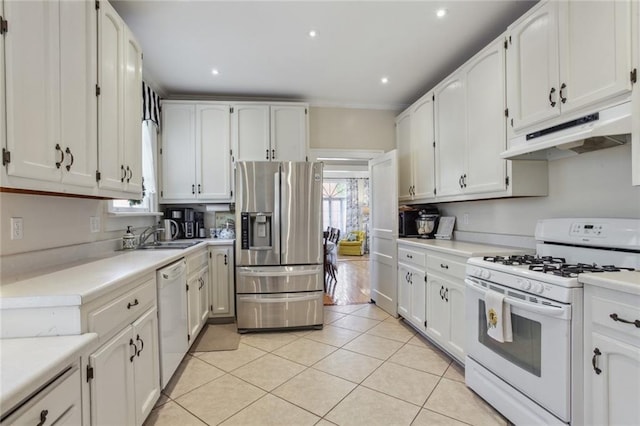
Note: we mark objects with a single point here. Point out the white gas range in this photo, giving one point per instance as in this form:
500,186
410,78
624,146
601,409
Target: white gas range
537,378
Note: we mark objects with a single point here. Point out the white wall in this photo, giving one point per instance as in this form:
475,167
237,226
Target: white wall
350,128
595,184
51,222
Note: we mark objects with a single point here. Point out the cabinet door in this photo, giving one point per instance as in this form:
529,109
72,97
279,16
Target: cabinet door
203,298
146,364
595,51
193,307
33,89
178,151
613,397
213,152
220,290
3,99
422,149
288,133
132,114
403,141
418,298
451,124
404,291
111,35
486,131
78,103
454,298
251,132
437,313
112,388
532,61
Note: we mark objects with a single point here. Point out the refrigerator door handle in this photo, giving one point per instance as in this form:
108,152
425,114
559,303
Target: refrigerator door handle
275,223
258,273
275,299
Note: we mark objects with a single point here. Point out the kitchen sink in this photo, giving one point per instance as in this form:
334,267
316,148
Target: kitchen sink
168,245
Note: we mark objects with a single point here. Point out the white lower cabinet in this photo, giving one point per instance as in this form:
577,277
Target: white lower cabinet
197,293
412,286
221,285
60,403
125,374
611,357
445,313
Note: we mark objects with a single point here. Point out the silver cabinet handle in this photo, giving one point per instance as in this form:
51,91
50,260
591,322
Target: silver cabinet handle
68,151
123,173
59,163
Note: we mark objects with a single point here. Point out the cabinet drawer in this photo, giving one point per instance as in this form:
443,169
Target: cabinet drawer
603,308
447,266
196,261
59,401
412,257
123,309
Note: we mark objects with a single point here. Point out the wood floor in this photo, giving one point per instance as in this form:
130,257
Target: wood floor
352,284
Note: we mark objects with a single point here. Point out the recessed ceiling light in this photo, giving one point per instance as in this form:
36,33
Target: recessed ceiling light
313,33
215,71
440,13
384,80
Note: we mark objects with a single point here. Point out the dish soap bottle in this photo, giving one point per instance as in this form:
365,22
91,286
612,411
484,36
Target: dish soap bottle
128,240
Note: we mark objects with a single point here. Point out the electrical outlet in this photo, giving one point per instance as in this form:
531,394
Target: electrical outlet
94,224
16,228
465,219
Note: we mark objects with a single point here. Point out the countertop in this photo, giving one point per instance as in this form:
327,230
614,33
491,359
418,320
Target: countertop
83,283
625,281
461,248
29,363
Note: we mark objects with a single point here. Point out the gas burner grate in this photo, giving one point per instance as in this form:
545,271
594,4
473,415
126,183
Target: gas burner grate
526,259
572,270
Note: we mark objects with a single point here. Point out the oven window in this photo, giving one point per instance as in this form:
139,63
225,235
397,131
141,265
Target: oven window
524,351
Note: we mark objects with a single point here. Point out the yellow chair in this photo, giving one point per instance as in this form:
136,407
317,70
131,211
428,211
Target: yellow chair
352,244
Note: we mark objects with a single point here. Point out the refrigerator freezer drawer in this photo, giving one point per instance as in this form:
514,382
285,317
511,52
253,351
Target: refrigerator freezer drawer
280,310
279,279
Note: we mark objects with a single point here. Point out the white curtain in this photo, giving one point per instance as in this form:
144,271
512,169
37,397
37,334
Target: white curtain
149,142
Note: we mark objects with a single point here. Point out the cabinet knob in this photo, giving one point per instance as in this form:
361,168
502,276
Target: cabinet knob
43,417
443,266
563,98
68,151
59,163
615,317
135,303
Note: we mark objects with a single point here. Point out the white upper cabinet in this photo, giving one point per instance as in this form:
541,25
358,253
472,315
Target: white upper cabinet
595,51
486,125
251,132
422,148
50,92
451,134
263,132
213,148
196,152
635,104
403,141
119,105
566,56
288,133
416,152
178,151
532,79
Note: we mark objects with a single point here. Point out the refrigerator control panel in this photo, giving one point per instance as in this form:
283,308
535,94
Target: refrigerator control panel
244,227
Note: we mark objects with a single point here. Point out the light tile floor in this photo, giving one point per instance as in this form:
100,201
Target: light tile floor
363,368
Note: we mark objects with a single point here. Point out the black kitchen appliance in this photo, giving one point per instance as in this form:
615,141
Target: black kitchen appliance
407,217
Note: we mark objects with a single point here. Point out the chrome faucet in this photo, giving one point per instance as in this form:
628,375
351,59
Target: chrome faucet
148,232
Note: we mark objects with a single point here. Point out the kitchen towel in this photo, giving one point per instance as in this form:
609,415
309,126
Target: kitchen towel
498,314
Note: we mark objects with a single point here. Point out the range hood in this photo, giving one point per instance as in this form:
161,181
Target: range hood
603,129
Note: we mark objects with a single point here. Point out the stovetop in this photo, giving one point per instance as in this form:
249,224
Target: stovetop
553,265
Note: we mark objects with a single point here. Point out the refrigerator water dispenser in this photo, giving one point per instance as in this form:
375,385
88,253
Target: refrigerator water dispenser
256,231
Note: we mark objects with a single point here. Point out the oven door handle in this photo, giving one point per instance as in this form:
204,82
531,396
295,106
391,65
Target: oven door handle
548,311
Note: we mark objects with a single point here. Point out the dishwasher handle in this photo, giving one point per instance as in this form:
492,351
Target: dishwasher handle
174,270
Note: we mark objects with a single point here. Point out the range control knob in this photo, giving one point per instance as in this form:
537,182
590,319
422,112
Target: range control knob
539,288
525,284
486,274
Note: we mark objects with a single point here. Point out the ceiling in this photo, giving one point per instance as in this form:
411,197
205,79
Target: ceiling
262,49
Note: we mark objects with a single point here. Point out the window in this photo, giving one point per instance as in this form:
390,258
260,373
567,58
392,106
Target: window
334,204
148,202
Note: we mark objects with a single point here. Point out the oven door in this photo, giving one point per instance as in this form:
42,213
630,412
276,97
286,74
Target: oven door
537,361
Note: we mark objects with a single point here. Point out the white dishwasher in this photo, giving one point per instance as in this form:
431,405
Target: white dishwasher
172,317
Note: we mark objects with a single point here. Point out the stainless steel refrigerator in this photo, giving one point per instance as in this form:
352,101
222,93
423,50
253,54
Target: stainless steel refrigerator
279,257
